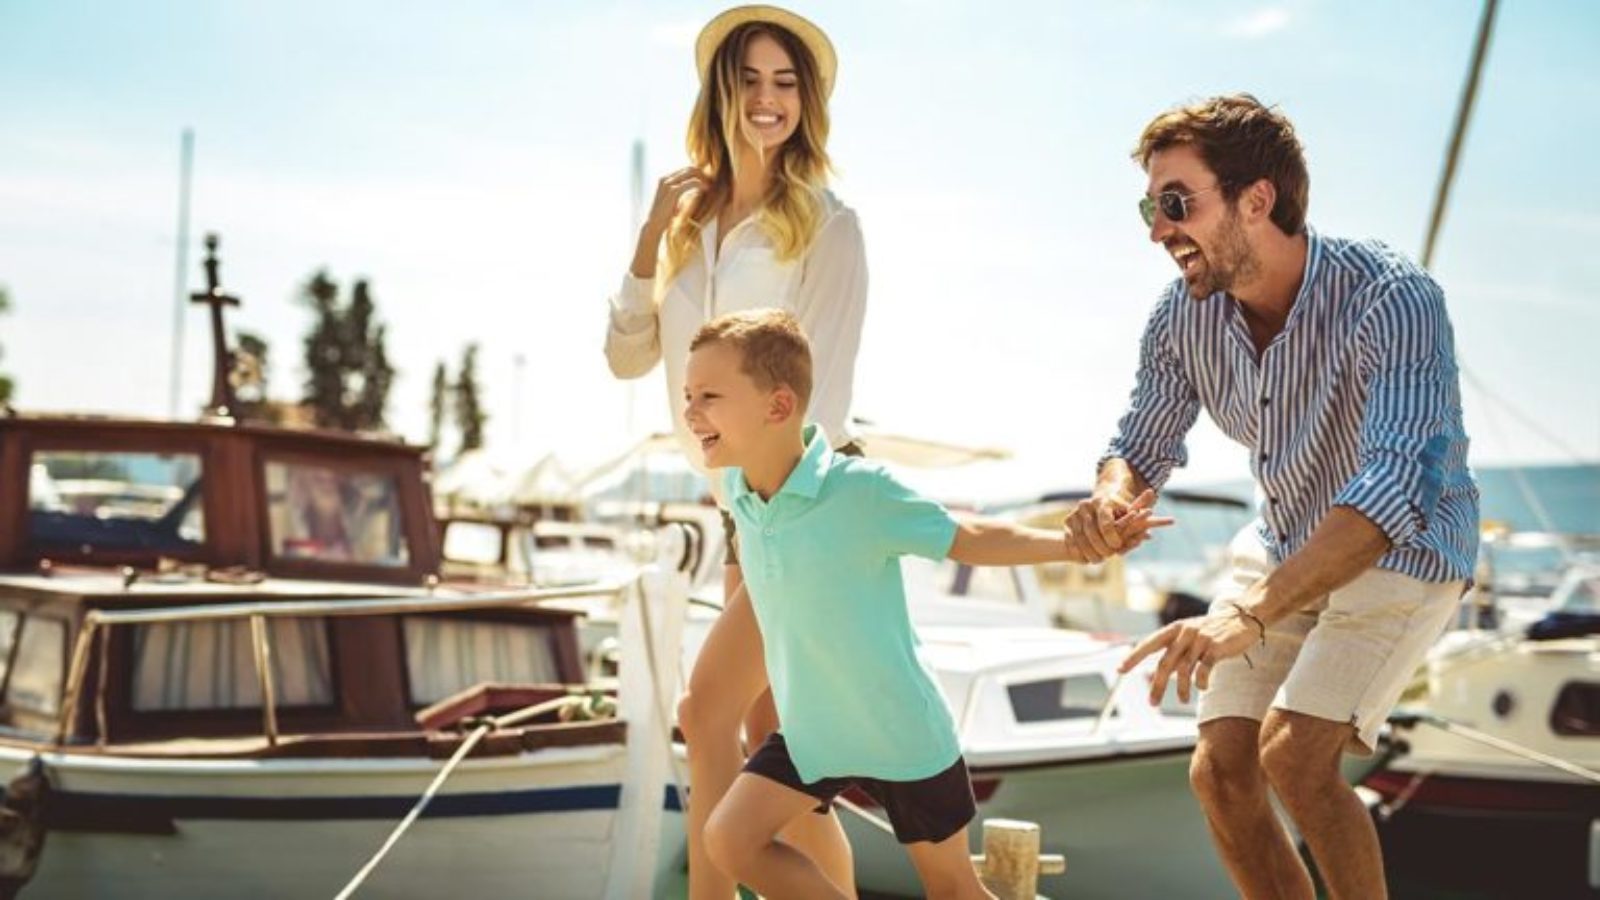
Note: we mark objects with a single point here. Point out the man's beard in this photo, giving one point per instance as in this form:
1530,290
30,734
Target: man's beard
1228,263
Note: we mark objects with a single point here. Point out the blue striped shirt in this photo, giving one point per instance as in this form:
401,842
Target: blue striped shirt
1357,403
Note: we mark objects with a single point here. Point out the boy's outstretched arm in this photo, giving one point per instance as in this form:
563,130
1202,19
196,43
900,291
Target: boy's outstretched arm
983,541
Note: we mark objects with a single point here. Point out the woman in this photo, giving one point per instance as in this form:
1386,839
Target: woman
748,224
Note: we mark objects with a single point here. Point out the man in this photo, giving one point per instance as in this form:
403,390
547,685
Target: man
1332,361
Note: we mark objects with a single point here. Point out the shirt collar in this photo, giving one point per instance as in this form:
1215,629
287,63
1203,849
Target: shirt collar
806,478
1308,289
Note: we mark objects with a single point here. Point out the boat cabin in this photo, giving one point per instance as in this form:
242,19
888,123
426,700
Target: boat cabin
208,581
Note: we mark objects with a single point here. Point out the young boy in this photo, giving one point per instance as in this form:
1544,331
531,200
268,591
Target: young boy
820,536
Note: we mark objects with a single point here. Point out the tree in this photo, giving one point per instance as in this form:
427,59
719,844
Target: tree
7,385
325,352
469,412
347,360
438,404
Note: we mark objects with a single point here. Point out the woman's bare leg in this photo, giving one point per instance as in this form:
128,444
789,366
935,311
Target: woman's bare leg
727,677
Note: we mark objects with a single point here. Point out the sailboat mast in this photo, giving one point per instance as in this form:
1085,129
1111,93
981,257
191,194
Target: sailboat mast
180,290
1469,94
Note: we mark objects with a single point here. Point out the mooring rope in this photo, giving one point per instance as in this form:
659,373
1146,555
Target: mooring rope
1451,726
506,721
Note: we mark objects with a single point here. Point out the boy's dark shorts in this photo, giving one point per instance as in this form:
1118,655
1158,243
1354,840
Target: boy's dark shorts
730,539
931,809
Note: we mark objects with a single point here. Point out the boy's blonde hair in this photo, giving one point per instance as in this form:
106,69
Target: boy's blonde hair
773,350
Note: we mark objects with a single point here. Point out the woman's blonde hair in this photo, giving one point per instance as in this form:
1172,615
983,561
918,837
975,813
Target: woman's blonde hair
792,211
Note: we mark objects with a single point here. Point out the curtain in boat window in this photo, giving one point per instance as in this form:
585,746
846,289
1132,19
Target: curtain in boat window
212,665
444,655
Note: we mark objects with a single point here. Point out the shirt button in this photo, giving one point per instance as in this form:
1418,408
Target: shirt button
769,532
1264,455
1265,401
1273,500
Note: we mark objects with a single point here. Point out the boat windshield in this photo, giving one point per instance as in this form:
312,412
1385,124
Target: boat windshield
1579,592
116,500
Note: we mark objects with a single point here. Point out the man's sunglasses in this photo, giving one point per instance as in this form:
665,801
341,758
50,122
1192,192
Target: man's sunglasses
1173,205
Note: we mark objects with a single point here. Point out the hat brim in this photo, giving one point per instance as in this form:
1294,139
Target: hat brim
718,29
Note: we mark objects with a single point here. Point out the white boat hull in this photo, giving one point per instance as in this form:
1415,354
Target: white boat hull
1086,812
537,824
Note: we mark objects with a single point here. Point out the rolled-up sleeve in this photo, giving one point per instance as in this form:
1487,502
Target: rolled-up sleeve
1407,358
1163,407
831,305
633,338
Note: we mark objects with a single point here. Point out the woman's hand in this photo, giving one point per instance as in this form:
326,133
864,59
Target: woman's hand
671,191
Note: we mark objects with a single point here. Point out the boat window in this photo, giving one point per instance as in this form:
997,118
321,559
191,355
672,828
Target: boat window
212,665
40,667
447,655
1577,710
1057,699
117,501
9,620
335,515
472,542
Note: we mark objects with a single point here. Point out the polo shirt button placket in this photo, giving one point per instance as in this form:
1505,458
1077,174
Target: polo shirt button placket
774,566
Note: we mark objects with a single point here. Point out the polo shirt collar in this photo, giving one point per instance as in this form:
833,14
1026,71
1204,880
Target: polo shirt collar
806,479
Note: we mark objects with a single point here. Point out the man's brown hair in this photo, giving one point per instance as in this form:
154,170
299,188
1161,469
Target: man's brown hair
773,350
1241,141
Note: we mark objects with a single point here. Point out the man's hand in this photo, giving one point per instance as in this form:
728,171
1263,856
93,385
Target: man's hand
1192,647
1099,528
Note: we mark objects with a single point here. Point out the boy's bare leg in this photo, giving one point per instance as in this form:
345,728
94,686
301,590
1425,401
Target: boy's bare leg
727,677
820,837
946,869
742,839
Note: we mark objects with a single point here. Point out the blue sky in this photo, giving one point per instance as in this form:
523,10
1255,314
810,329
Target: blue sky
472,161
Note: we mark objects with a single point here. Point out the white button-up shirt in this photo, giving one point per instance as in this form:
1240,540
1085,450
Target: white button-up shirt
825,289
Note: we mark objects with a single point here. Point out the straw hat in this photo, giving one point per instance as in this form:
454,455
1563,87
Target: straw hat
716,31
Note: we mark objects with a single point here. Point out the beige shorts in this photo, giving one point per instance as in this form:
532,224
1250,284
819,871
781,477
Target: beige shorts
1345,658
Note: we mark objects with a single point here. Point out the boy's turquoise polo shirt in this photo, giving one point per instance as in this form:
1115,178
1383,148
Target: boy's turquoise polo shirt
821,561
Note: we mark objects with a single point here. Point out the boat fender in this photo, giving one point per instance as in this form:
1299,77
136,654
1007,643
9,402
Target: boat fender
591,706
22,829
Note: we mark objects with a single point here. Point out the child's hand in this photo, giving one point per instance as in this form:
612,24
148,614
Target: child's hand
1133,526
